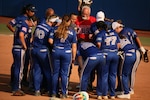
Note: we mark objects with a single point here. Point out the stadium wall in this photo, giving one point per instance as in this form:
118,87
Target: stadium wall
133,13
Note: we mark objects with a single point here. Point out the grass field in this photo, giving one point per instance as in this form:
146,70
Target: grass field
4,30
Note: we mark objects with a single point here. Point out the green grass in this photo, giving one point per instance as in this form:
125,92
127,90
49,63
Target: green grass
145,41
4,30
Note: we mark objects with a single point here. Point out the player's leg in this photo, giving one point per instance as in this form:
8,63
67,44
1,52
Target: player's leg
113,72
37,74
56,71
18,65
119,88
134,69
64,71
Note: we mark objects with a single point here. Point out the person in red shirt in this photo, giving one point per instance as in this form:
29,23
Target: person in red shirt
83,23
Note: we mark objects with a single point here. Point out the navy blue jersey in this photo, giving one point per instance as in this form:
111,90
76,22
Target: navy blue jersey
95,31
64,42
108,40
131,35
20,27
87,49
126,44
18,20
41,34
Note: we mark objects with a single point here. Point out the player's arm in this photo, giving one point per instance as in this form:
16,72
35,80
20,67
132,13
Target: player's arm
138,42
74,51
98,44
140,45
21,36
10,27
50,40
79,5
80,61
118,46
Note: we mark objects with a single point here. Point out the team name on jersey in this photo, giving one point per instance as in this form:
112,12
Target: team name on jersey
84,29
111,33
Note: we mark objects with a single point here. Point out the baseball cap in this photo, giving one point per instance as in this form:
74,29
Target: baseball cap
100,16
31,8
53,19
116,25
82,95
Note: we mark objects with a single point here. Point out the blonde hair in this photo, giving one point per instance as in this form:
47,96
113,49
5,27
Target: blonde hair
62,30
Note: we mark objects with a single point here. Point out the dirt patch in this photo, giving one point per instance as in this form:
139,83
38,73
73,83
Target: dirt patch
5,20
142,87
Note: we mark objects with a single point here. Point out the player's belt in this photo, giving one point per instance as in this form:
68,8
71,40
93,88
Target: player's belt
43,50
109,50
17,46
59,47
132,50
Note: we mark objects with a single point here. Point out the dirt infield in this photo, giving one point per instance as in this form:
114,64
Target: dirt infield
142,85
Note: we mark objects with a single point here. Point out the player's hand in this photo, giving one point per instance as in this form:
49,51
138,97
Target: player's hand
142,49
73,61
25,48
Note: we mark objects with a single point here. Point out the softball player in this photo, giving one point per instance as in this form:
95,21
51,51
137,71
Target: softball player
18,51
108,42
127,65
41,57
64,50
27,11
134,39
93,59
100,16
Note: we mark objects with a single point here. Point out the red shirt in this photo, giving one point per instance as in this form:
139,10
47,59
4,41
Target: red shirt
84,26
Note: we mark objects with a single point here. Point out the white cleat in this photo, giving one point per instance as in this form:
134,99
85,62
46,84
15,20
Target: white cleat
105,97
124,96
99,98
131,92
112,97
119,93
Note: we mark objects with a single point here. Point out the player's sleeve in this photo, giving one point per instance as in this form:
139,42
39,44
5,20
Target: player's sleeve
99,38
13,22
74,39
24,29
133,33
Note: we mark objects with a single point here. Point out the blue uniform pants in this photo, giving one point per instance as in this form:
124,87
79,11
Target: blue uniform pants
41,67
96,61
61,58
18,65
127,68
109,72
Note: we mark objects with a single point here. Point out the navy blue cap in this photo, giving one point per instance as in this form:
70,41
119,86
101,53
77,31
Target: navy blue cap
31,8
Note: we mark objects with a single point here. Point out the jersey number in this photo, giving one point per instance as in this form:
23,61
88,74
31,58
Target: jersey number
39,33
110,40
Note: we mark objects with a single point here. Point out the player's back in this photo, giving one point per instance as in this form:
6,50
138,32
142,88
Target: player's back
41,35
109,41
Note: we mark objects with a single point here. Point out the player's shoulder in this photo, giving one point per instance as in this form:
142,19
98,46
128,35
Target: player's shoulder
128,29
93,19
21,17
